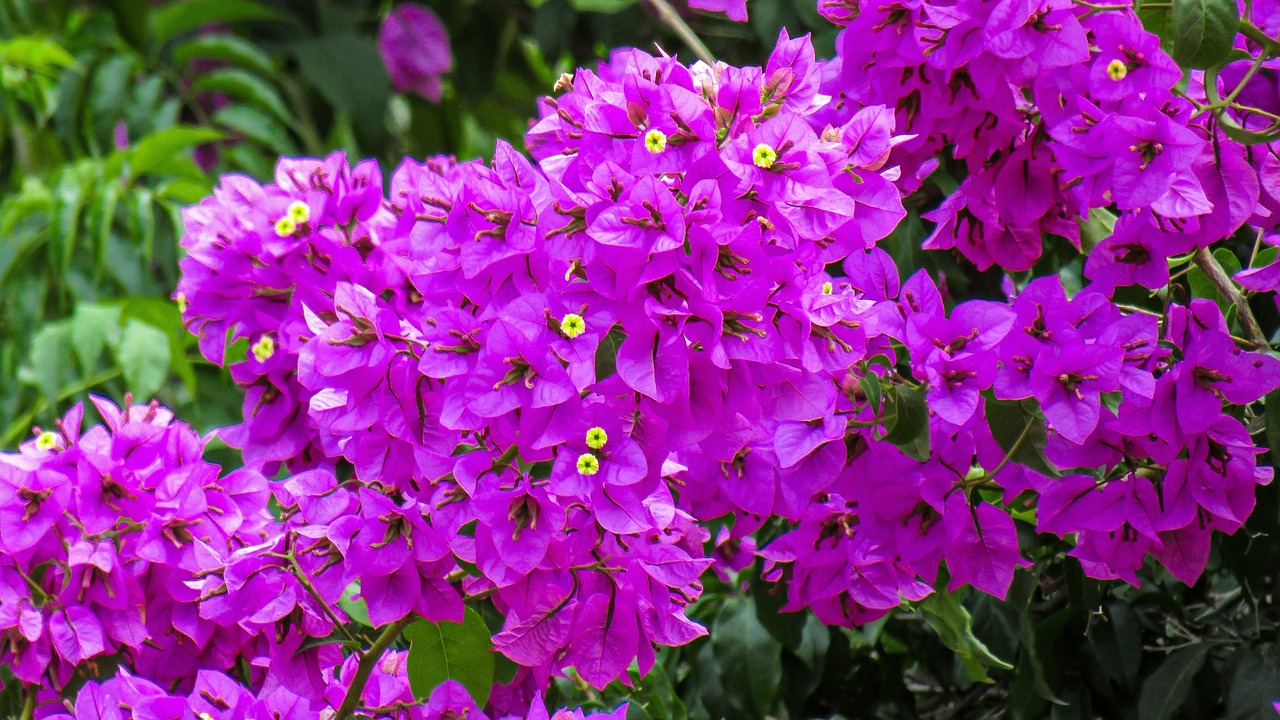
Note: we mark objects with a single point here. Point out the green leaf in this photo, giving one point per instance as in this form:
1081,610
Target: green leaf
951,620
101,216
1164,692
357,87
1097,228
602,6
355,607
94,327
1271,416
245,86
257,126
144,358
176,18
451,651
748,659
1018,426
870,384
157,148
1201,286
1203,31
70,195
226,48
48,368
35,53
910,430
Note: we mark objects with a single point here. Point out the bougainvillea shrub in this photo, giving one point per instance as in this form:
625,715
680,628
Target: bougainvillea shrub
519,415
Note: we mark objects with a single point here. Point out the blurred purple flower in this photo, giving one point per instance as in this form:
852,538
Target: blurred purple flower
415,47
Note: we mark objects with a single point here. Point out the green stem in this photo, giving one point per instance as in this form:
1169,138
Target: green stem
29,704
1254,33
672,19
1227,288
368,662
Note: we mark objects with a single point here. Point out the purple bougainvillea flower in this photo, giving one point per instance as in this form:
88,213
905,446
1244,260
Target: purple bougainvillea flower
415,48
735,9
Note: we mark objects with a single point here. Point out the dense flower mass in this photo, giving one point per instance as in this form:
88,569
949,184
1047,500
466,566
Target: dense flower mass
536,384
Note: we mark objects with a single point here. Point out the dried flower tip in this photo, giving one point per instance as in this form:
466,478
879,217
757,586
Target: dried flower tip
596,438
264,348
655,141
764,156
588,464
572,325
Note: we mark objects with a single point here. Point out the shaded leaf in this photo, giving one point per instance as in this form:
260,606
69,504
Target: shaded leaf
451,651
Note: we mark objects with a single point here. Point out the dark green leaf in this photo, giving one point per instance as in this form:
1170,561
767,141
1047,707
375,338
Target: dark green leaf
748,659
256,126
910,429
1019,428
1163,693
602,6
870,384
358,87
226,48
177,18
451,651
1272,419
246,86
1203,31
954,626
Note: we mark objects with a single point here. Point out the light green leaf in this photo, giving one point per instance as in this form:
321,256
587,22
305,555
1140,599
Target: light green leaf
94,327
157,148
355,607
35,53
451,651
144,358
602,6
48,366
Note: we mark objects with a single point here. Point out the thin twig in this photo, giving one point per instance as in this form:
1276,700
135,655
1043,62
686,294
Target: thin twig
672,19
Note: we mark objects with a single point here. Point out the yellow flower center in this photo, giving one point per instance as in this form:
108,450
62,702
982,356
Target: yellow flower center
285,226
182,303
264,348
596,438
299,212
655,141
47,441
1116,70
827,288
764,156
572,325
588,464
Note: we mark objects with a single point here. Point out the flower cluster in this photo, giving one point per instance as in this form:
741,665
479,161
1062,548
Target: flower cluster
105,532
535,384
216,696
1057,111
